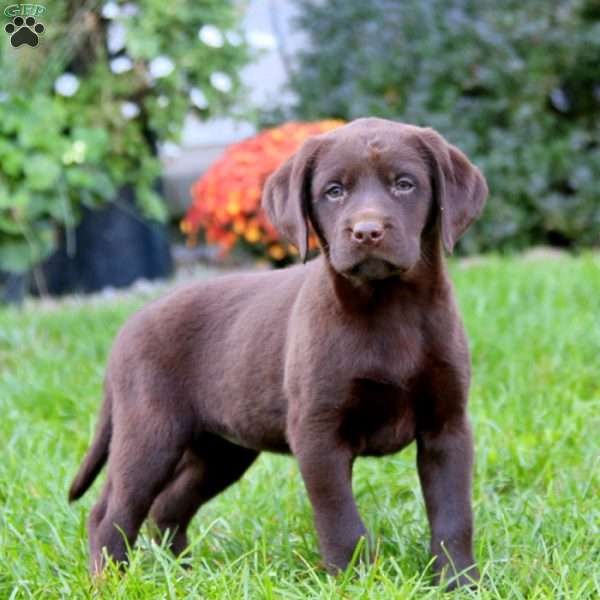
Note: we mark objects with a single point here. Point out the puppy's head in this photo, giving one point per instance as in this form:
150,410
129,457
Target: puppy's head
371,190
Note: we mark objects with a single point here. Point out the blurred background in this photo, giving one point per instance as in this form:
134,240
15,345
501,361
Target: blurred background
135,137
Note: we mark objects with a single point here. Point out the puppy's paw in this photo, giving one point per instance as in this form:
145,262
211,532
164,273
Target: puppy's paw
468,578
343,557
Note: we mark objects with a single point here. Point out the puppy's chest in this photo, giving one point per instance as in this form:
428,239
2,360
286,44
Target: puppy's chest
389,352
379,410
377,417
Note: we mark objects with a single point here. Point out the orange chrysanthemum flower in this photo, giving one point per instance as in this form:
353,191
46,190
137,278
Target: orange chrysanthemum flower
226,199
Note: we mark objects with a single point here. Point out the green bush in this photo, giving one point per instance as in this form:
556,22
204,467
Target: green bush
516,85
81,113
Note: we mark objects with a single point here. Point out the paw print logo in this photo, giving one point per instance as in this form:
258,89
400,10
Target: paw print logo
24,31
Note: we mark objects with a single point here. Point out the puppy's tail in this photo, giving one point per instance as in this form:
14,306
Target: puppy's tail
97,454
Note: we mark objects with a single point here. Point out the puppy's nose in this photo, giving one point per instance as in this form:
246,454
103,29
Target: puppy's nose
367,232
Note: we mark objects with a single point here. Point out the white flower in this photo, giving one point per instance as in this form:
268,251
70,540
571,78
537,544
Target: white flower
110,10
130,110
234,38
75,154
66,85
262,40
170,150
130,9
221,81
3,96
116,37
211,36
560,100
121,64
79,149
198,98
79,146
161,66
162,101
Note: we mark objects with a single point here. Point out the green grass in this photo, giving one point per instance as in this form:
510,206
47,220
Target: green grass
535,403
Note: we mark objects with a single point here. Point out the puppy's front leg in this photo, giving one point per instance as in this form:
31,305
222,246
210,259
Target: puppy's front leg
326,467
445,462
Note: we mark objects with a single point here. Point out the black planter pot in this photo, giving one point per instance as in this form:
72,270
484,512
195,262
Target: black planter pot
12,287
111,247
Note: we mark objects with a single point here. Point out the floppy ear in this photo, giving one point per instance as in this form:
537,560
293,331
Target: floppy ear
286,196
459,187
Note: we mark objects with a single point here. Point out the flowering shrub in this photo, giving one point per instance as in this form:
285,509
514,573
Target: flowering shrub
226,201
82,114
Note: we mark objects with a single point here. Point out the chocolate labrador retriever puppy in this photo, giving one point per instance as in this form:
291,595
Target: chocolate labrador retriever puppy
359,352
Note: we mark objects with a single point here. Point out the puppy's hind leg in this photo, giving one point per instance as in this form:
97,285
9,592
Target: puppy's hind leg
141,461
205,470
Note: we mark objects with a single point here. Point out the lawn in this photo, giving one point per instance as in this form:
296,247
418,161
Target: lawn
534,327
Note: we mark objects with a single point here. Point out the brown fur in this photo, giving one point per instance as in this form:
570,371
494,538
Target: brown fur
359,352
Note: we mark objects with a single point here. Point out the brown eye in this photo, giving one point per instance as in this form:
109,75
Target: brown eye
335,192
403,185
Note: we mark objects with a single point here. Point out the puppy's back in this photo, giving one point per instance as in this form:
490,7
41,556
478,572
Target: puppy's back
213,348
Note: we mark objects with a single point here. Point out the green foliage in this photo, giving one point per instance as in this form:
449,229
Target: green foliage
62,149
534,404
516,86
